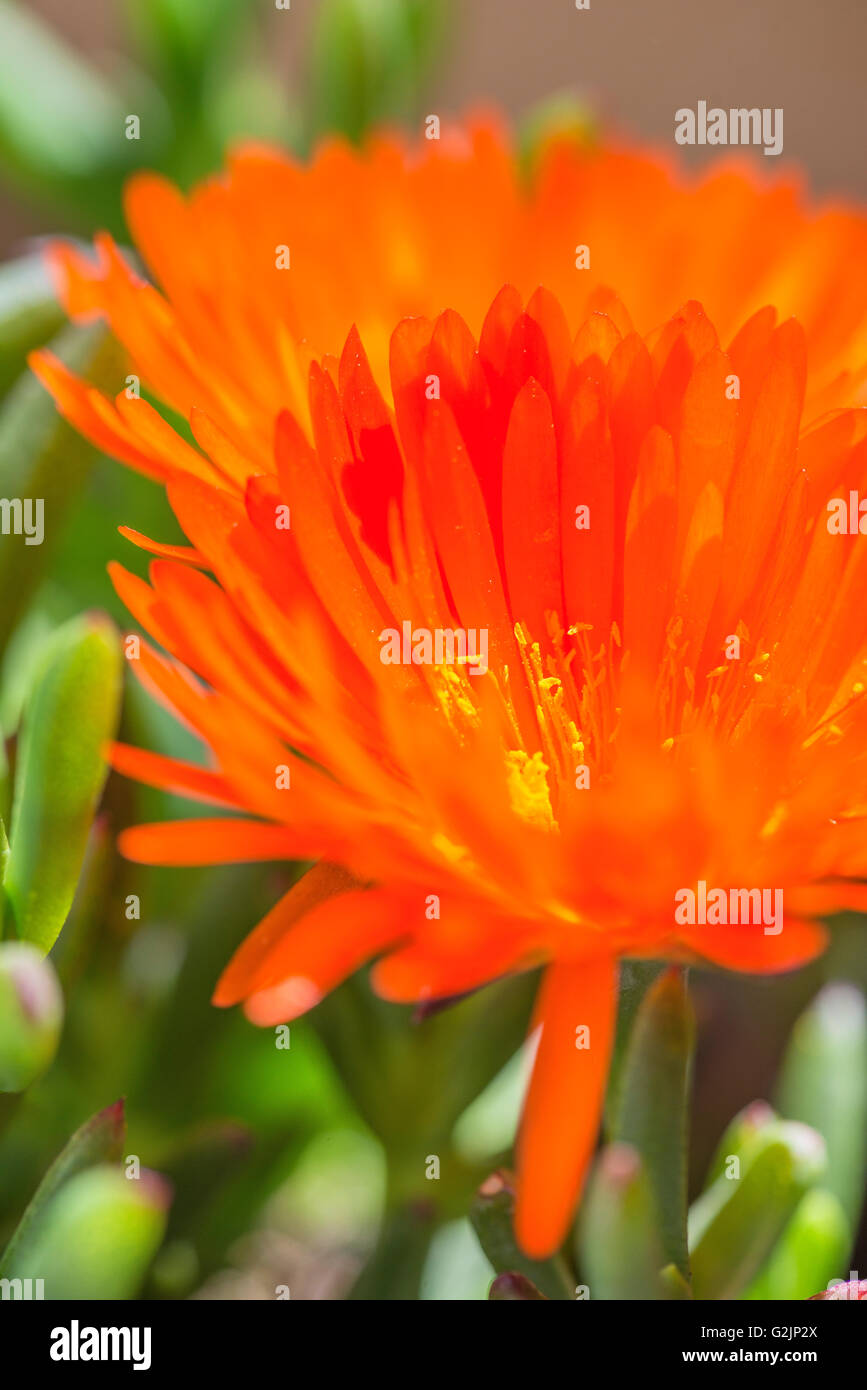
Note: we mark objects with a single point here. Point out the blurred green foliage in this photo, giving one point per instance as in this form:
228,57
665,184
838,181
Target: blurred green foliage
365,1135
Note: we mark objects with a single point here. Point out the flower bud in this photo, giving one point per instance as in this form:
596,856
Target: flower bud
31,1014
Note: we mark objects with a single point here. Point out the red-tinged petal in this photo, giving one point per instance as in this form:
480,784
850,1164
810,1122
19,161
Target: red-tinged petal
546,310
334,565
459,521
604,301
649,553
706,438
594,343
631,414
531,508
373,480
588,481
497,329
408,352
564,1102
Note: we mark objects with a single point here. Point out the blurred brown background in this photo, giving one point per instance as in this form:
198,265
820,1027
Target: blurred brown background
637,60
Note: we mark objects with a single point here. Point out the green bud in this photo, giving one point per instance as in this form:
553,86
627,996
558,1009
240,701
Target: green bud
31,1014
620,1239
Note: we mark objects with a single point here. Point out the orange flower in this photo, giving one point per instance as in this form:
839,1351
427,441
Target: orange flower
663,679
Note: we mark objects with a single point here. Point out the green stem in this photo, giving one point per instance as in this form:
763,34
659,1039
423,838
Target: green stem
394,1270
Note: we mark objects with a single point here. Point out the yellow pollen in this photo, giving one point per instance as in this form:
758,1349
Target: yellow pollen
526,778
455,854
454,693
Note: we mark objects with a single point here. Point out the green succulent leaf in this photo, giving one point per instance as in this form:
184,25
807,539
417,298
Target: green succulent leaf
620,1241
492,1219
95,1238
42,459
743,1137
71,714
98,1140
735,1224
811,1252
29,314
650,1108
824,1084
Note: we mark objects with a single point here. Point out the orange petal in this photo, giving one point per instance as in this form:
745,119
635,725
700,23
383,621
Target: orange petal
298,953
748,949
564,1101
183,779
320,883
195,842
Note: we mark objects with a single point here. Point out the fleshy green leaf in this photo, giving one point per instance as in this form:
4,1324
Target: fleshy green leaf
42,459
636,978
98,1140
620,1240
71,714
674,1286
492,1218
742,1138
737,1221
4,842
31,1014
29,314
824,1084
811,1252
96,1236
650,1112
